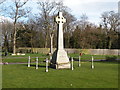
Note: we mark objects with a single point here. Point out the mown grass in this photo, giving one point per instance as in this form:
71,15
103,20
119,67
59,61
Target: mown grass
88,57
42,57
20,58
26,55
104,75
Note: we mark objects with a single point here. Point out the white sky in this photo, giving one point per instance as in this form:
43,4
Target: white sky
92,8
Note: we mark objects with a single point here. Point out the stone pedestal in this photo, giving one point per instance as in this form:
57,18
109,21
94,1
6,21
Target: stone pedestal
60,59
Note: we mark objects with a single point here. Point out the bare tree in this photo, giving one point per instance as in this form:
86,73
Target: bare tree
110,24
68,27
32,28
83,22
110,20
17,12
2,5
1,1
46,8
49,10
7,30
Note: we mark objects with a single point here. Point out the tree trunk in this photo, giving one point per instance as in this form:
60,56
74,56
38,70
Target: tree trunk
32,45
109,44
14,40
68,42
6,44
51,43
15,32
46,39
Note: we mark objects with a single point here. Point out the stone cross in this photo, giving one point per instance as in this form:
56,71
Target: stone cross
60,59
60,21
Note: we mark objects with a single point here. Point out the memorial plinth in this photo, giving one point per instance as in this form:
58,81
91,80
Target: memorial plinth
60,59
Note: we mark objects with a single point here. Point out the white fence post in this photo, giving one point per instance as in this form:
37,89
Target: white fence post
92,66
79,62
72,64
46,64
36,62
29,61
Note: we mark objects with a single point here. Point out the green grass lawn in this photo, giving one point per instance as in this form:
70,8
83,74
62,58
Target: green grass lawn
42,57
88,57
20,58
105,74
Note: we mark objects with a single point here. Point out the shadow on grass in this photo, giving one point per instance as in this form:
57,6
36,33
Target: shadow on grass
83,60
42,66
108,59
108,62
111,58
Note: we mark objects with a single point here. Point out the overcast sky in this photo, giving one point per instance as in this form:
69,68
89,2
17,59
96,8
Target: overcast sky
92,8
